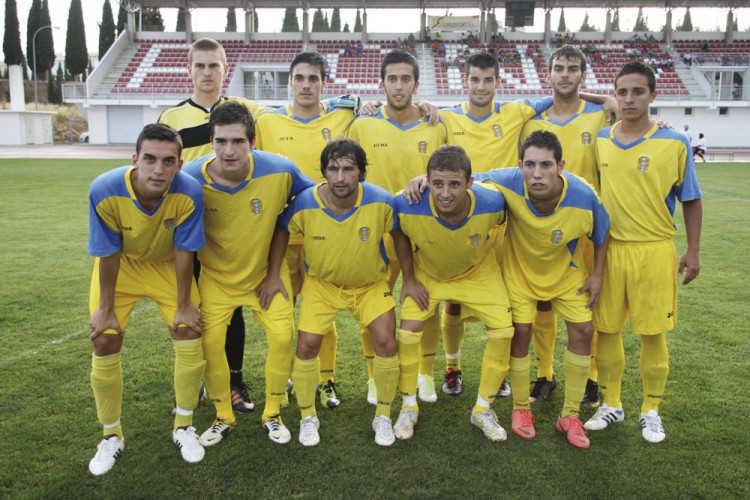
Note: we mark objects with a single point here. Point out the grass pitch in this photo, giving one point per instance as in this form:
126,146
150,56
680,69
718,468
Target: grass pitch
48,421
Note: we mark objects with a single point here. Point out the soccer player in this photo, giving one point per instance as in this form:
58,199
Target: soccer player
145,221
454,262
550,213
398,142
644,170
576,123
343,221
245,191
300,131
207,65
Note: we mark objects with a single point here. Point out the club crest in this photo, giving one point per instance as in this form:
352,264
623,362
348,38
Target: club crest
256,206
556,237
643,164
169,224
364,233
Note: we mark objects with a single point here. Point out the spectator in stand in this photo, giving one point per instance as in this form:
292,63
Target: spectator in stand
441,49
704,47
360,48
348,49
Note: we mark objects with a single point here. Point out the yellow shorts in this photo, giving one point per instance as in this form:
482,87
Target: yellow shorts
322,301
497,240
640,280
220,302
482,295
142,279
295,259
568,304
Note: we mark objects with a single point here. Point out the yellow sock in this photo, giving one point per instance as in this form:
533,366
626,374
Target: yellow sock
453,334
544,333
610,361
520,372
304,375
430,341
495,362
106,381
189,366
576,369
278,367
481,405
593,372
654,370
408,353
216,375
368,350
327,355
386,374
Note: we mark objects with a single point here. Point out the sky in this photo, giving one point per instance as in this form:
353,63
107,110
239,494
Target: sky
379,21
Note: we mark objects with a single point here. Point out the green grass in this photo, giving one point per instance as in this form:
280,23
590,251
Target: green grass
48,427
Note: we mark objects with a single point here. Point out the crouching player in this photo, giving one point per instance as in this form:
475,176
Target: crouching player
549,211
343,221
145,222
454,261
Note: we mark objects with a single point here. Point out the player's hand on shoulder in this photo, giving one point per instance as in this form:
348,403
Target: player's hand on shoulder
102,321
690,266
610,109
268,288
370,108
417,291
413,191
189,317
664,124
429,109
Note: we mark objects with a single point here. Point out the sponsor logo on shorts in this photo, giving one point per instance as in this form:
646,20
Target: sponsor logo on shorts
474,240
256,206
670,314
387,294
422,146
643,164
169,224
364,233
604,165
586,138
326,134
497,131
556,237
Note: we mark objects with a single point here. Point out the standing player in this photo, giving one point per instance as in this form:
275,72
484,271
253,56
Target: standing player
207,65
550,213
455,261
245,191
576,123
398,142
343,221
300,131
145,222
644,170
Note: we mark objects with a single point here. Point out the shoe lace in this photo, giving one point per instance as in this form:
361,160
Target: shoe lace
383,426
274,422
330,389
653,423
108,447
218,424
242,390
490,417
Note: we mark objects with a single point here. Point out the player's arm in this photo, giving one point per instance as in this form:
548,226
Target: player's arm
187,314
103,318
410,285
609,103
690,263
413,191
272,284
593,285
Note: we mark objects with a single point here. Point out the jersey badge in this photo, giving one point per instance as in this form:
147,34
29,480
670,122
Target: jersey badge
326,134
169,224
498,131
364,233
556,237
256,206
474,240
643,164
586,138
422,147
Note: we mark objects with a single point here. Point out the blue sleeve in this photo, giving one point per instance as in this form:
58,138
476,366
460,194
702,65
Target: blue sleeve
601,223
103,241
300,182
190,235
540,104
286,216
689,189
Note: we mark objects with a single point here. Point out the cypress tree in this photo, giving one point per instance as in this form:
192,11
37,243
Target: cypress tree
687,22
33,24
152,20
180,20
45,45
51,97
358,23
641,23
231,21
291,24
616,20
585,26
106,30
318,24
336,20
561,27
346,28
122,19
76,53
12,38
255,20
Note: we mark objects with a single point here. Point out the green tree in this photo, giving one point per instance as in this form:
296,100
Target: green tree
231,21
641,21
687,22
25,68
318,24
255,20
45,45
358,23
51,94
492,27
76,53
59,79
122,19
33,24
616,20
180,26
336,20
585,26
12,38
561,27
107,30
152,20
735,27
346,28
291,24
